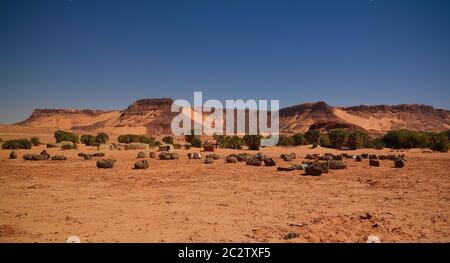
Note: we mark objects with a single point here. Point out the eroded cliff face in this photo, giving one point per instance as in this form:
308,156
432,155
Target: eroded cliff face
154,116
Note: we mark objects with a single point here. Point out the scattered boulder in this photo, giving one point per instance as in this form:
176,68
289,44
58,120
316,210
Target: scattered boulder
81,154
309,157
314,170
338,157
286,157
45,155
254,162
209,160
326,157
152,155
358,158
13,155
337,164
231,159
364,155
141,155
269,162
168,156
105,163
243,157
88,156
215,156
290,168
33,157
142,164
260,157
399,163
190,155
197,156
373,156
98,154
59,158
374,162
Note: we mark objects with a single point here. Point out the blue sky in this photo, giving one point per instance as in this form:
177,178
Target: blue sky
106,54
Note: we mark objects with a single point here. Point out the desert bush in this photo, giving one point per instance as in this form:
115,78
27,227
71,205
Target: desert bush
168,139
17,144
101,138
35,141
88,140
399,139
194,140
438,142
252,141
338,137
357,139
312,137
65,136
130,138
177,146
285,140
230,142
378,143
299,139
324,140
68,146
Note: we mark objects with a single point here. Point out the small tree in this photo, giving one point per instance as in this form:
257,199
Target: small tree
168,139
253,141
35,141
299,139
285,140
88,140
438,142
101,138
65,136
338,137
357,139
17,144
312,137
194,140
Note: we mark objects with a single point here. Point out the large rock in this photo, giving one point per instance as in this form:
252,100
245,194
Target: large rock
286,157
373,156
168,156
231,159
326,157
358,158
309,156
59,158
254,162
215,156
141,155
290,168
105,163
98,154
33,157
209,160
399,163
190,155
45,155
336,165
142,164
374,162
269,162
314,170
13,155
88,156
152,155
197,156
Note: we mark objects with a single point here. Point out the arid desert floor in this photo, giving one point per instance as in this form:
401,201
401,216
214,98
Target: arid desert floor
189,201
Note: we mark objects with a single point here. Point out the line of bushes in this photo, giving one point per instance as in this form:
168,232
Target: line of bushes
17,144
90,140
397,139
130,138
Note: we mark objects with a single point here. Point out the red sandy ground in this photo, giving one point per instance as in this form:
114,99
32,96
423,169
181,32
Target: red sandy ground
188,201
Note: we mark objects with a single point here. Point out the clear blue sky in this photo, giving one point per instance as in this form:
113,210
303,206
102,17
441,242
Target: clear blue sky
106,54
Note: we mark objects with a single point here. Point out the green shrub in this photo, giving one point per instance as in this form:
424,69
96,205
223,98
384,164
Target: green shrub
194,140
168,139
338,137
230,142
35,141
252,141
357,139
285,140
101,138
88,140
17,144
299,139
65,136
399,139
312,137
130,138
378,143
324,140
438,142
